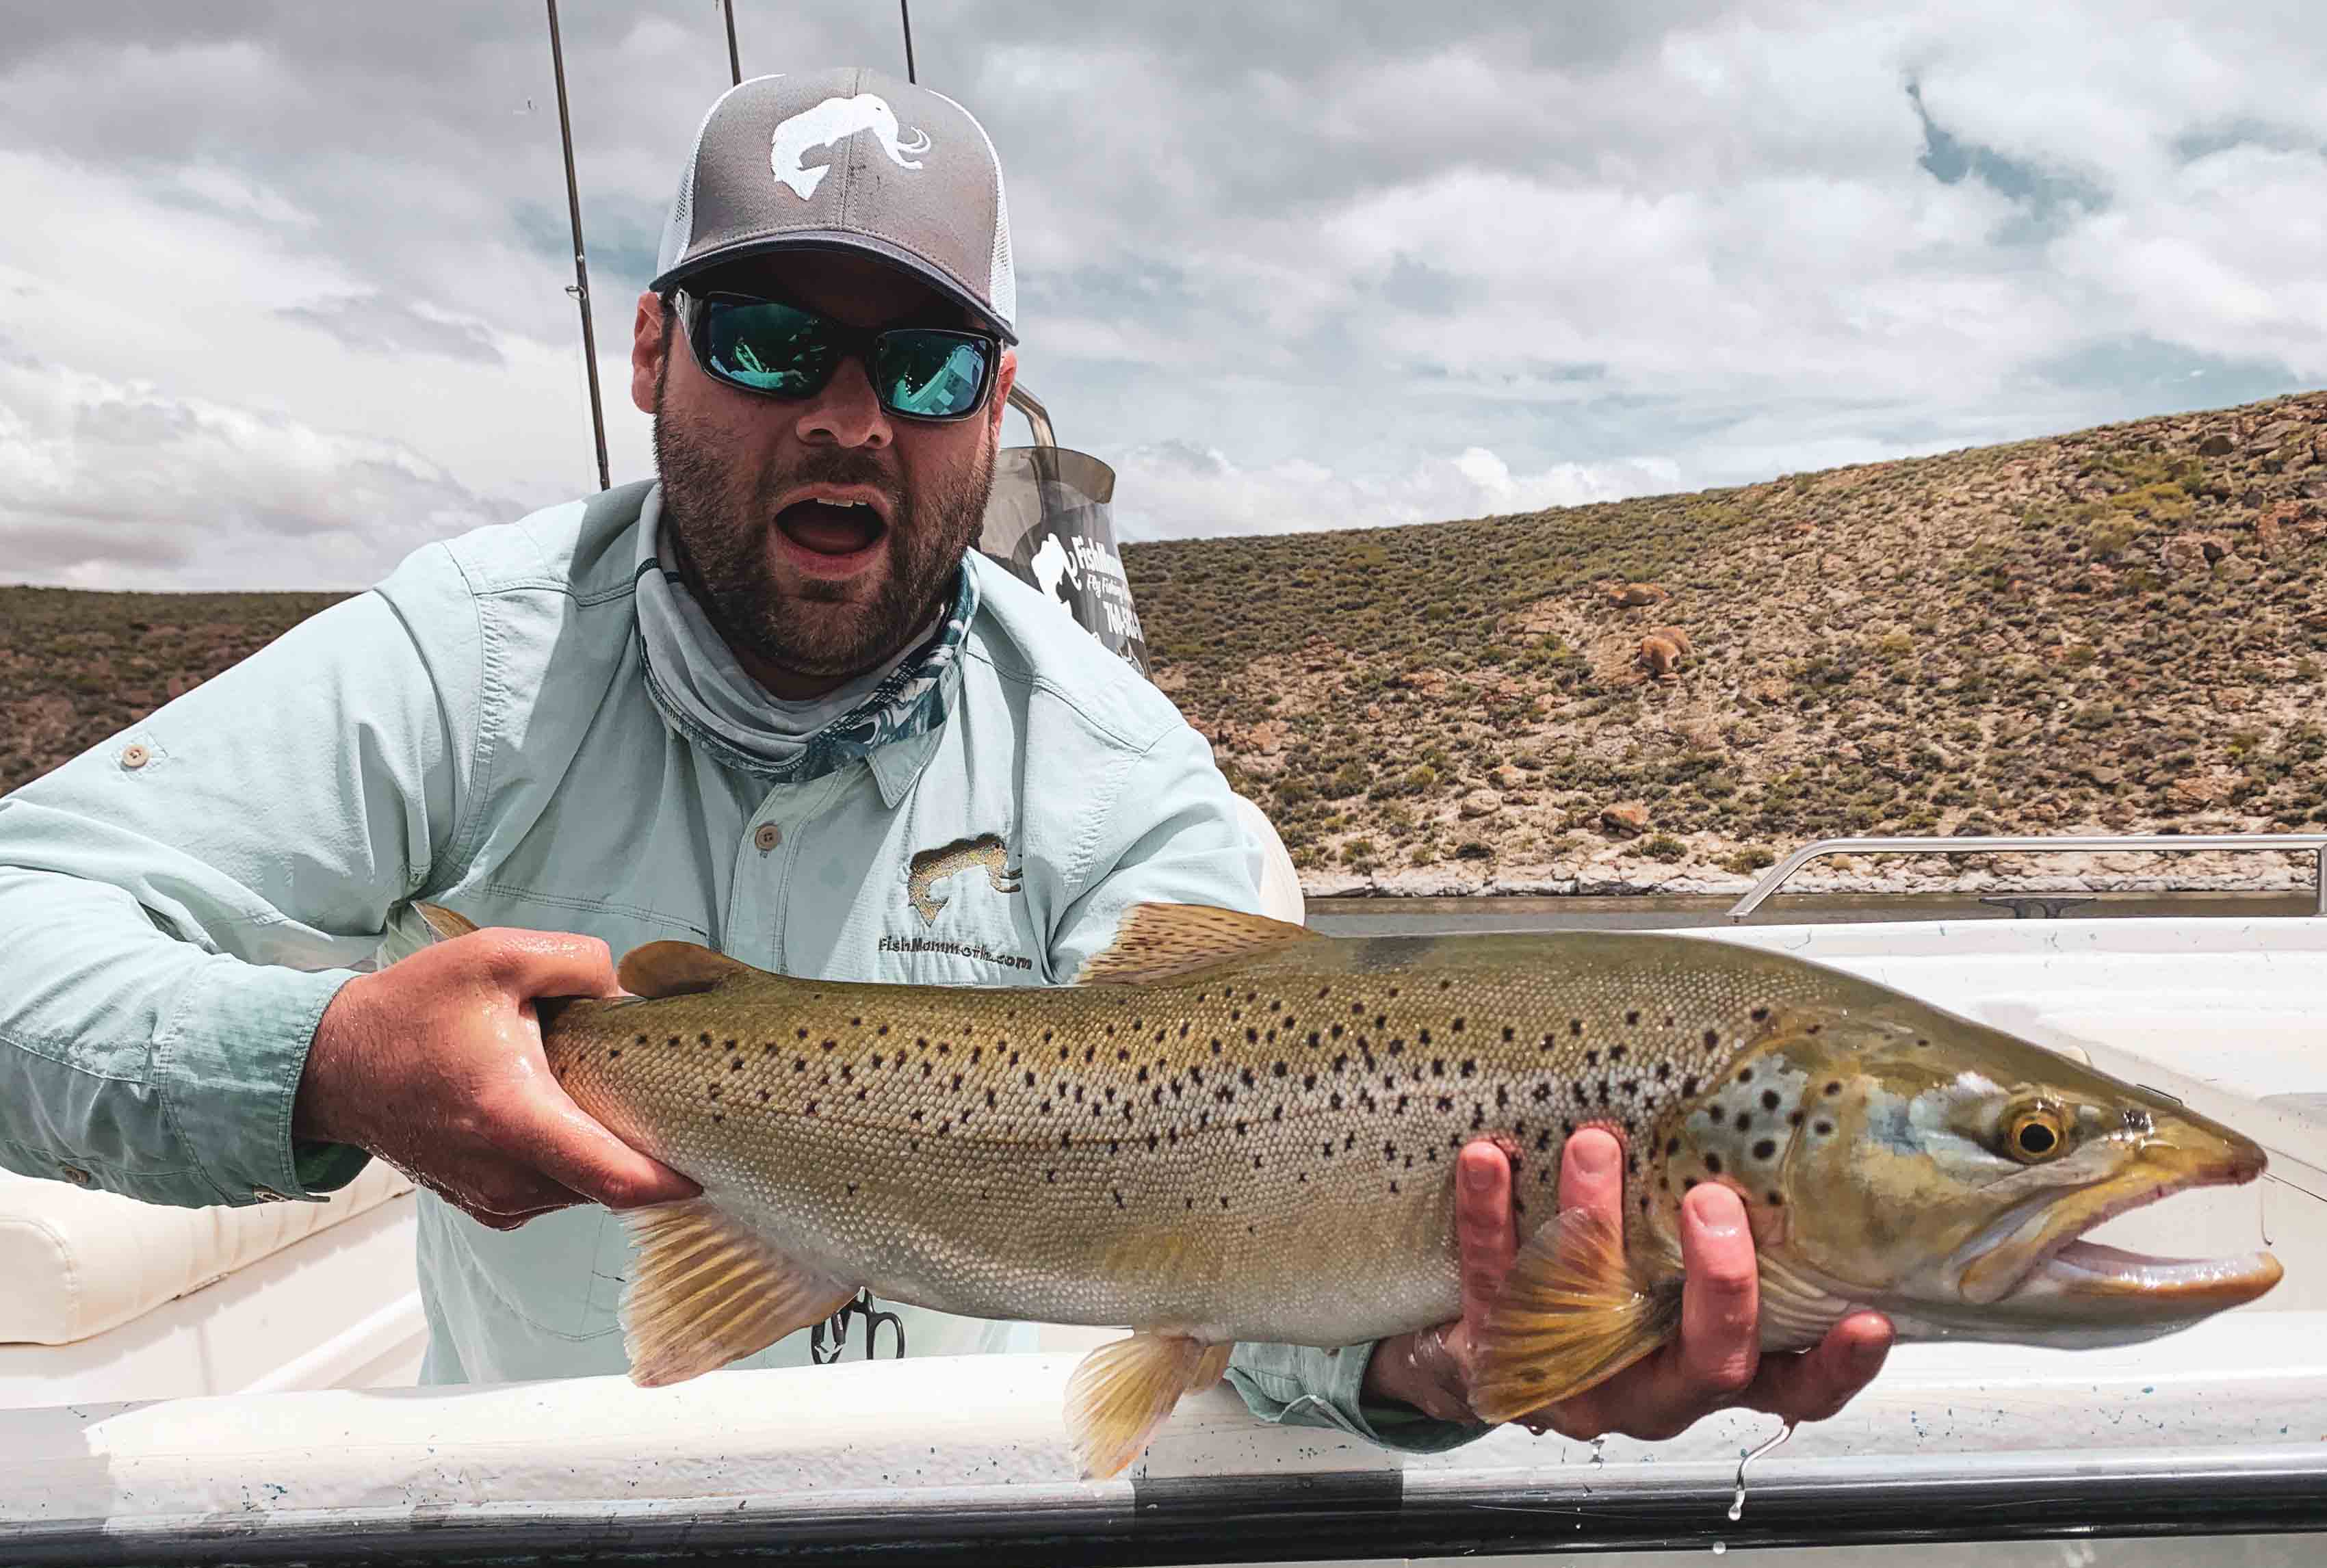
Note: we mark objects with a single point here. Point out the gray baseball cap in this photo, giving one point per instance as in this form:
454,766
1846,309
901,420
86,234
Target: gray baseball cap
847,159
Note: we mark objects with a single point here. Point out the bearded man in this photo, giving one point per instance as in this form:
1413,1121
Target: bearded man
748,703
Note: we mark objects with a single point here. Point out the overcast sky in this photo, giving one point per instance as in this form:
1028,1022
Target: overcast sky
281,282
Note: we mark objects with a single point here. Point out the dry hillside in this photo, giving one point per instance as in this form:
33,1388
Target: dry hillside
2121,629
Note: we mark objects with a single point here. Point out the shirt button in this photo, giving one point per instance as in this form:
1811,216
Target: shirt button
768,837
76,1175
135,755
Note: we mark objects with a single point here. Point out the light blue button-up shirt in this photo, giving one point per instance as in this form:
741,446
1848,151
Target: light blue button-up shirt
179,905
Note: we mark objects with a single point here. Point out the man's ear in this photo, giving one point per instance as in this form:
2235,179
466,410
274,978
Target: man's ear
1005,374
647,351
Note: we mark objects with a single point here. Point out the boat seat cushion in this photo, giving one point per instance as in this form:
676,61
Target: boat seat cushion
75,1262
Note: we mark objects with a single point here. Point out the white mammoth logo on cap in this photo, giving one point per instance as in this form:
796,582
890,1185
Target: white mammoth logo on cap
829,124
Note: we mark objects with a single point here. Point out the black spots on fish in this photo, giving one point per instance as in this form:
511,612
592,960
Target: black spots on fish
641,1040
1745,1077
1393,1187
1336,1032
1759,1014
1815,1029
1323,992
1152,1139
1245,1076
1542,1093
1066,1140
1117,1193
1437,1064
1921,1041
1689,1085
1445,985
613,1052
1794,1120
799,1064
1688,1183
1502,1097
763,1095
1236,1015
1777,1199
1477,1117
1401,1106
1342,1062
1822,1127
1397,1047
1423,1036
1592,1059
1389,1149
1458,1023
1632,1017
1833,1087
1770,1099
1766,1148
714,1091
1445,1102
1604,1091
1123,1056
812,1105
1308,1080
1278,1113
1188,1202
1276,1070
674,1038
1510,1034
1744,1120
1631,1165
831,1045
1616,1053
1216,1045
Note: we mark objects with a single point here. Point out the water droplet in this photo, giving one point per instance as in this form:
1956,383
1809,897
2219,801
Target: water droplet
1737,1503
1719,1547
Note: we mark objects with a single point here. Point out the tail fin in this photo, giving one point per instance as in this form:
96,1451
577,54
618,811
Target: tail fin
444,922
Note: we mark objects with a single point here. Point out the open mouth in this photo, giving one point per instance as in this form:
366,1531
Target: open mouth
832,535
2091,1277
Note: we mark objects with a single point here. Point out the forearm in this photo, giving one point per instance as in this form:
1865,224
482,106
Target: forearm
145,1065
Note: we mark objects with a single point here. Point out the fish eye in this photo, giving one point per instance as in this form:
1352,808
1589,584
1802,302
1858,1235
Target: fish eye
2035,1134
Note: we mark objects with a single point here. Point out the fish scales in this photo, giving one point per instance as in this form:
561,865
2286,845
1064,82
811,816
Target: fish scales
1269,1142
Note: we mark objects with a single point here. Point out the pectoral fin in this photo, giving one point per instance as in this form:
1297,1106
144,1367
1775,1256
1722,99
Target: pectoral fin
1574,1311
1122,1392
705,1291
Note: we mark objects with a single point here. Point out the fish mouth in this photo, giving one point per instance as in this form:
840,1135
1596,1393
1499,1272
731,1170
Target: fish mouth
2045,1266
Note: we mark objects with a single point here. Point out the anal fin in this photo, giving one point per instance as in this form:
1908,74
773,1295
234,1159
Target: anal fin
706,1290
1120,1394
1573,1313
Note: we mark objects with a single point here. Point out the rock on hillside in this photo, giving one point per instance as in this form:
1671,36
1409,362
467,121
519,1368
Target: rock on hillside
2121,629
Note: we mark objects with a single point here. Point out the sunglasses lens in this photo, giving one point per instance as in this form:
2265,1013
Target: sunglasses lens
930,374
767,346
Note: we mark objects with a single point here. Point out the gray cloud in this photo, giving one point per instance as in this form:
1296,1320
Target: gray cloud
1670,243
374,325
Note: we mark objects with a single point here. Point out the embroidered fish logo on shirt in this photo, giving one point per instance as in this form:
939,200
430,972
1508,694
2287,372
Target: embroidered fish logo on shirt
932,866
831,123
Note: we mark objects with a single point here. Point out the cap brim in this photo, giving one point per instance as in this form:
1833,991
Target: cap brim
920,269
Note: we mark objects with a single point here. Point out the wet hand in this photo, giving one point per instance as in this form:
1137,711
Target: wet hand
1717,1362
434,1064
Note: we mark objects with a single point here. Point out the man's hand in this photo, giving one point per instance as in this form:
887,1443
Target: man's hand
1715,1364
434,1064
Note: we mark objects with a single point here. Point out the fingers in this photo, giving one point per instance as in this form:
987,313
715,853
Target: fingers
1817,1383
1720,1320
1484,1227
566,1144
1719,1351
1592,1176
531,964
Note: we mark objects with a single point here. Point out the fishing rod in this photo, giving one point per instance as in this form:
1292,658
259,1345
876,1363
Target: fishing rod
734,61
580,288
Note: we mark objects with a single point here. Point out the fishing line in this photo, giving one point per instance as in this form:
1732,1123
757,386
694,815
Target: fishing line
1737,1503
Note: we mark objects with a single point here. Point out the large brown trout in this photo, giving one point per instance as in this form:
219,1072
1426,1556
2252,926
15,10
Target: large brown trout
1232,1128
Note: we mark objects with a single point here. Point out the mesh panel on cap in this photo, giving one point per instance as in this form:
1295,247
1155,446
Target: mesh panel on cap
1002,275
677,233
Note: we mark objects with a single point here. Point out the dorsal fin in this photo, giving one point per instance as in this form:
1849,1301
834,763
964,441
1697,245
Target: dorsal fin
1159,941
675,968
445,923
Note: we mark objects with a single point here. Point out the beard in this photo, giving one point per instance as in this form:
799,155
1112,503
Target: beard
720,517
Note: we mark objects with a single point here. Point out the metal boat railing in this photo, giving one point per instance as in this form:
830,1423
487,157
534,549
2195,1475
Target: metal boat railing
2313,844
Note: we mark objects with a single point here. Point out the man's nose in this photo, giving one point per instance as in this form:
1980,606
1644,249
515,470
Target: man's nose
847,413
